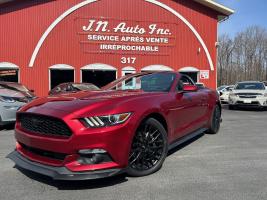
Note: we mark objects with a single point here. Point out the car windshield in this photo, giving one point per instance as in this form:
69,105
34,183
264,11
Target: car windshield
85,87
12,86
227,89
156,82
250,86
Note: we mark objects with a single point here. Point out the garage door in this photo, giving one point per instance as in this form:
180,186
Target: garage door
60,74
98,74
192,72
9,72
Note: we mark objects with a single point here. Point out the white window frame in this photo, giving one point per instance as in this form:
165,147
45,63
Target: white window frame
97,67
156,68
191,70
10,66
127,70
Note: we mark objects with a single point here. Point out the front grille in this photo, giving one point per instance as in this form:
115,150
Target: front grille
252,103
248,96
40,152
44,125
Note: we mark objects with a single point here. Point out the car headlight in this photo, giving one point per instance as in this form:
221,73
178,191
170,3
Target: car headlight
108,120
7,99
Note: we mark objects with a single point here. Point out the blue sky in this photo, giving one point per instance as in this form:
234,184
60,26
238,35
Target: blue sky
247,13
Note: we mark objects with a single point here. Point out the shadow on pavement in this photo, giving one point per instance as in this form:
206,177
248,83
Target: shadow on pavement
243,108
75,185
91,184
7,127
181,146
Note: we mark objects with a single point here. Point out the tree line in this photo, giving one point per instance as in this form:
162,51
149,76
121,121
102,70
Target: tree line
243,57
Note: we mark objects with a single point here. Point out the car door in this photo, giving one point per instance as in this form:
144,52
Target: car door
181,105
188,109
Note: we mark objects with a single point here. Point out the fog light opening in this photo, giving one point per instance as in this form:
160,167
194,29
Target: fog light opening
93,156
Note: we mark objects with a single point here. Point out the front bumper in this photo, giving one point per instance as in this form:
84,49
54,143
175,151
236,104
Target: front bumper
60,173
255,102
224,99
57,151
8,112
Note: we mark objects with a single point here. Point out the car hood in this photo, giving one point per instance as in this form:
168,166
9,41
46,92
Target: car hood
15,93
86,101
249,91
11,93
225,92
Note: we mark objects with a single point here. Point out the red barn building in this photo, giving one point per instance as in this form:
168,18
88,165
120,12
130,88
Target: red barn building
47,42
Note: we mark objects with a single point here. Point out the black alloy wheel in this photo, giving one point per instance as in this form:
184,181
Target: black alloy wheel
215,121
149,149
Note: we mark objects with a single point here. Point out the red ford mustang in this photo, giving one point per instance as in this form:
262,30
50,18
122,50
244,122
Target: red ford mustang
129,126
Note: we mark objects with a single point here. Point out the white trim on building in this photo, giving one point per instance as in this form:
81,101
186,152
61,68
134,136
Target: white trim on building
62,67
99,66
86,2
8,65
189,69
156,68
216,6
128,70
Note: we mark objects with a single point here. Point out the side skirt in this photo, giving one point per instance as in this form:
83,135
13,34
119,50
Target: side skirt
186,138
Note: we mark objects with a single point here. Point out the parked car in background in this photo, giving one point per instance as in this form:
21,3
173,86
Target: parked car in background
221,87
12,97
224,93
200,85
128,126
248,93
72,87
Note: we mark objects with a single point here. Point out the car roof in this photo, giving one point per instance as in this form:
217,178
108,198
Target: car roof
250,82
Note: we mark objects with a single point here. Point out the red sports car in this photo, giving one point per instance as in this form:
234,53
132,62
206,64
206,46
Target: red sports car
129,126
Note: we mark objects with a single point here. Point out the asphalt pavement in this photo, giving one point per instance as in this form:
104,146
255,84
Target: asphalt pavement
231,165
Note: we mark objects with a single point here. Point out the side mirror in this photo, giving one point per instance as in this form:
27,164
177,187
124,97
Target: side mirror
190,88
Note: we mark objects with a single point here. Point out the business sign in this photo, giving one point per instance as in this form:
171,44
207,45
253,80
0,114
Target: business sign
204,74
125,37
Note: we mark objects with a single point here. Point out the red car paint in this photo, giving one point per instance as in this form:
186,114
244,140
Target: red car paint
184,113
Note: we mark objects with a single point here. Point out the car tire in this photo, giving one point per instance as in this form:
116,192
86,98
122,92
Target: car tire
215,121
262,108
1,125
148,150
